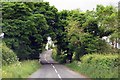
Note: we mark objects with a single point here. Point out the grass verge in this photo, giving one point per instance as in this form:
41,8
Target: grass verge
20,69
97,66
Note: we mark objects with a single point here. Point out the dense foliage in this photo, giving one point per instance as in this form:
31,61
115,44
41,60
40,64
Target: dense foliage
8,56
97,66
26,26
75,33
83,32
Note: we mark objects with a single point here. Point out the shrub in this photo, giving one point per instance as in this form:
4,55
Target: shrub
8,56
108,59
60,58
97,66
54,53
100,65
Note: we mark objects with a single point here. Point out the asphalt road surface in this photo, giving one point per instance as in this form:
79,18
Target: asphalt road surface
53,70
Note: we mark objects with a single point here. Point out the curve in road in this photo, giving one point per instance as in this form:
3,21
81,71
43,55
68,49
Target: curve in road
52,69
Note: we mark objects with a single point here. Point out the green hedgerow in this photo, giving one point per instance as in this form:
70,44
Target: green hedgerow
97,65
8,56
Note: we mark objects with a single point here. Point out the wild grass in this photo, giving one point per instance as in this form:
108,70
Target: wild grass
97,66
20,69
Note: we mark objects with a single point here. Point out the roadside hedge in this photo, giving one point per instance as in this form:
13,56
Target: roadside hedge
100,65
60,58
8,56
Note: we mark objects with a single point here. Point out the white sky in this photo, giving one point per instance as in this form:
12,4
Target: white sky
82,4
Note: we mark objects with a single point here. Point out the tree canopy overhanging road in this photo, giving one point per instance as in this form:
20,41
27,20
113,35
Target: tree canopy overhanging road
27,26
90,37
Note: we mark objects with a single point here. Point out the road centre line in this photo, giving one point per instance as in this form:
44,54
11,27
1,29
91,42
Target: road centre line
59,77
56,71
54,68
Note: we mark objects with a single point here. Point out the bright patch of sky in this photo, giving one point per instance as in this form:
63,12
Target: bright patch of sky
80,4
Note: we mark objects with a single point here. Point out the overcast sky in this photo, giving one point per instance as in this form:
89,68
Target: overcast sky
82,4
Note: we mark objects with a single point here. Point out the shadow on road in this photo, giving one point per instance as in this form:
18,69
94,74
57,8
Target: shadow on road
46,63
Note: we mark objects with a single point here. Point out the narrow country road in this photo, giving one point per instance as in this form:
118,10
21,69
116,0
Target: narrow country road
52,69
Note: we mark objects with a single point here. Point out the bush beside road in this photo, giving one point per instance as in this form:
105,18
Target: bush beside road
97,65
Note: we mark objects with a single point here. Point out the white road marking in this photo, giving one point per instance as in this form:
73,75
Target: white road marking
56,71
54,68
59,77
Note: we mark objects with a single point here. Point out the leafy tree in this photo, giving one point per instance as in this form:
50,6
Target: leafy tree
91,26
26,26
60,31
107,19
